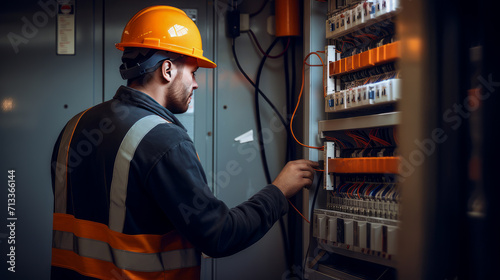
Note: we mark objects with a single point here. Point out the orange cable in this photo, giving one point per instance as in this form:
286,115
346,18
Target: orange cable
313,65
69,144
298,212
300,96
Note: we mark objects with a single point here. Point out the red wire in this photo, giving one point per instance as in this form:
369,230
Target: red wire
369,137
342,186
353,190
349,41
262,51
349,192
373,37
376,139
394,134
298,212
381,141
360,141
345,41
336,140
369,189
355,140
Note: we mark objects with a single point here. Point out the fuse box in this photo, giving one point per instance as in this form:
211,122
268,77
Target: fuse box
356,216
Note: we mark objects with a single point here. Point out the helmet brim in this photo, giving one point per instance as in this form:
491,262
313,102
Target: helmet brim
203,62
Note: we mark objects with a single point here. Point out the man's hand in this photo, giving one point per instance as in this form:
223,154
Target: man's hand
294,176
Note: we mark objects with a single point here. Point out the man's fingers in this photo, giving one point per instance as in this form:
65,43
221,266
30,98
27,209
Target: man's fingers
308,162
307,175
307,182
314,163
307,165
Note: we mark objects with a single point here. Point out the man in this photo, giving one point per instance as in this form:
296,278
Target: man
131,198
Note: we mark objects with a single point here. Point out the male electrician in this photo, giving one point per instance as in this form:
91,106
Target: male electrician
131,199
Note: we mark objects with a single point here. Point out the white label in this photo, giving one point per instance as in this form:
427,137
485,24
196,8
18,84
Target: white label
66,28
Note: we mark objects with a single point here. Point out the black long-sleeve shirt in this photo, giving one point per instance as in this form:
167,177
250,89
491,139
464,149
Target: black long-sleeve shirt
167,187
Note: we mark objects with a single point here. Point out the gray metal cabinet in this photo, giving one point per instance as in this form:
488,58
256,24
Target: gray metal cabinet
40,91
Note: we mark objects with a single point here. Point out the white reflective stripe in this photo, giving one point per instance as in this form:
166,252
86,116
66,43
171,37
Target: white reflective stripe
145,262
118,192
60,178
62,240
180,259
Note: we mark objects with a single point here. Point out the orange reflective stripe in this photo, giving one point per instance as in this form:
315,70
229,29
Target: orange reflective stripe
71,138
106,270
139,243
146,262
61,173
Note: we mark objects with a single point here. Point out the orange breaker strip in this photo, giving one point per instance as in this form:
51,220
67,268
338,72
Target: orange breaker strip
364,165
376,56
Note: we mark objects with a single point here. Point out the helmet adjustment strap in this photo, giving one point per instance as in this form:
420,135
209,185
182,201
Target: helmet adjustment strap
143,67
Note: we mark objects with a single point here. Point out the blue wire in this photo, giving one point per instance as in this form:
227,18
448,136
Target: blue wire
387,190
376,189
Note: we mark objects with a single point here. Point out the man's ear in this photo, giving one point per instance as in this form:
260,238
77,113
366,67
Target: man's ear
167,70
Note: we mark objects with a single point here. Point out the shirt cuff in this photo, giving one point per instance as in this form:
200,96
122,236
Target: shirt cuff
283,202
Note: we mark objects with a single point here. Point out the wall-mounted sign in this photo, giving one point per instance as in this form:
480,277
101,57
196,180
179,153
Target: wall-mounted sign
66,28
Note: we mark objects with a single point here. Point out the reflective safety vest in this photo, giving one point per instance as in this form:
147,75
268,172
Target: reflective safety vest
102,251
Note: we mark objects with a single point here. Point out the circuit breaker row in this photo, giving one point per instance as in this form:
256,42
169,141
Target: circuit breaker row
373,236
376,93
360,217
382,202
359,14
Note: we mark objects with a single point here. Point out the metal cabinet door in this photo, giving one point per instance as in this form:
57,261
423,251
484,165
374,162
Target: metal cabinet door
39,92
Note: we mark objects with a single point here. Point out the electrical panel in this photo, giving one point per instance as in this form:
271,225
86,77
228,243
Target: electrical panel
356,213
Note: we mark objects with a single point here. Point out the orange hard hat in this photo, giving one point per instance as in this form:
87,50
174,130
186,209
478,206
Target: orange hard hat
165,28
